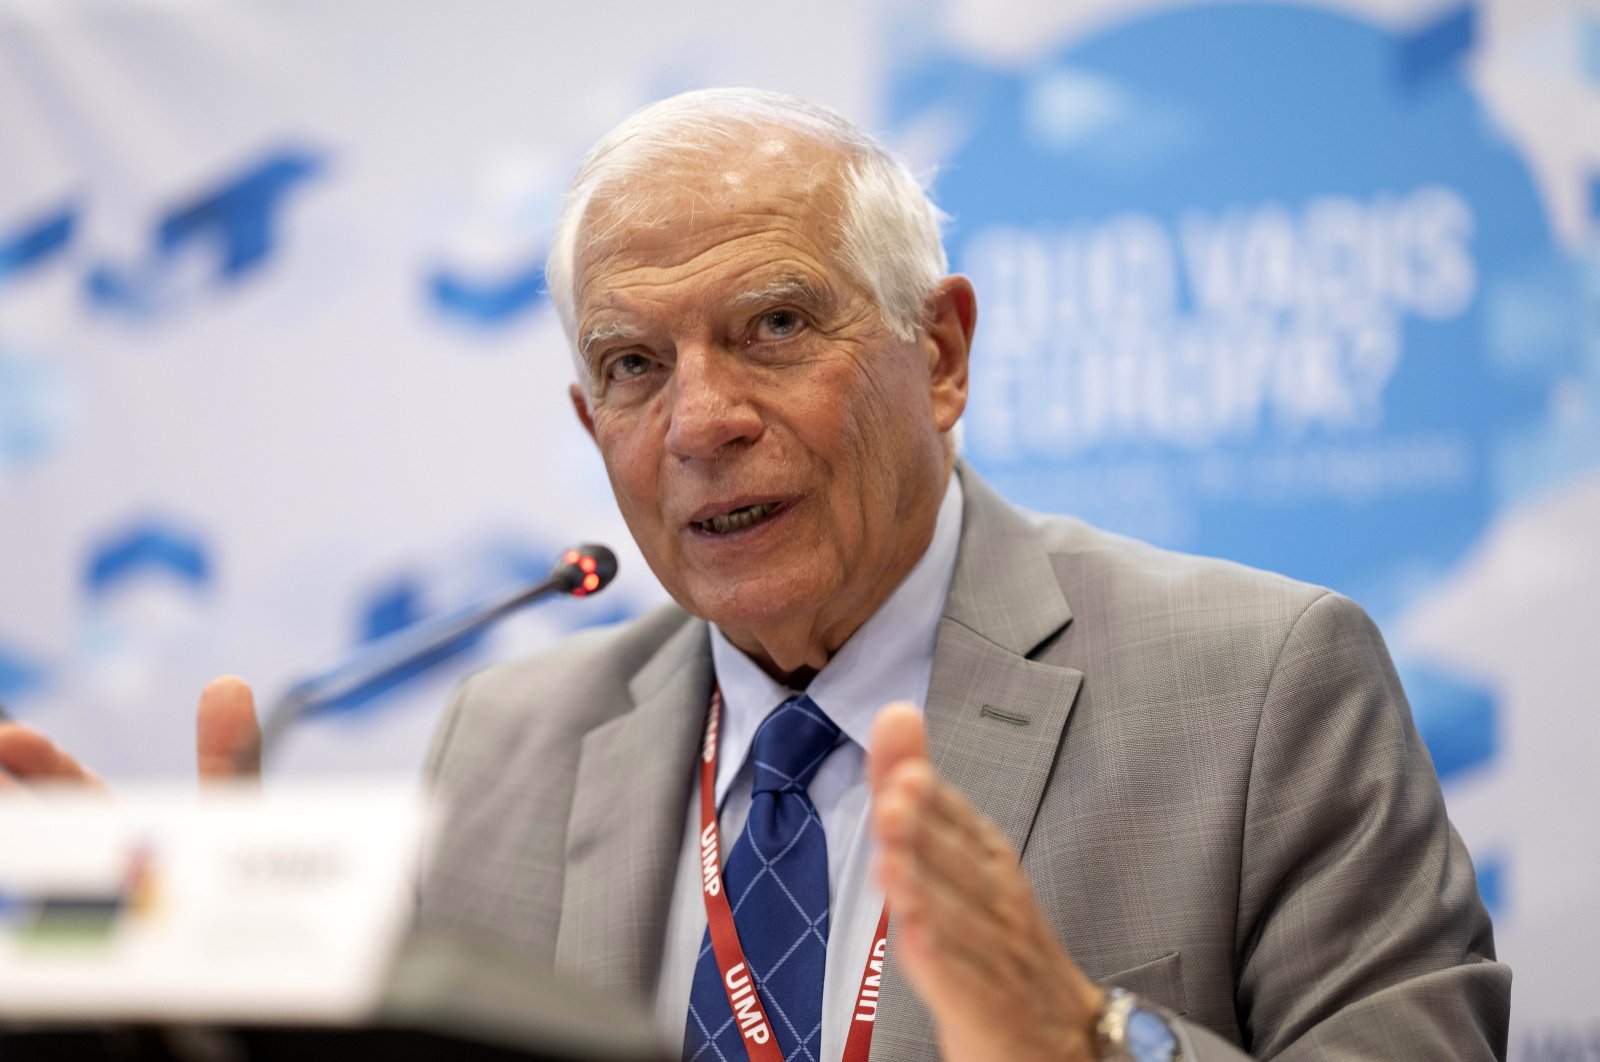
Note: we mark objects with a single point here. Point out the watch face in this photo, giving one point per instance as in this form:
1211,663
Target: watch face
1149,1039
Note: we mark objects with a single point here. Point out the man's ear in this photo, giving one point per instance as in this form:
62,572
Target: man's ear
580,406
952,318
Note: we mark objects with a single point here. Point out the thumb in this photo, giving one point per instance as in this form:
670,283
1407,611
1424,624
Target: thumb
227,737
897,736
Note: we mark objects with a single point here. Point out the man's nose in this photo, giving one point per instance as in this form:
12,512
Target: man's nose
711,403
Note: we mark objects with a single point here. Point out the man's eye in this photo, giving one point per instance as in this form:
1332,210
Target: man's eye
778,324
627,367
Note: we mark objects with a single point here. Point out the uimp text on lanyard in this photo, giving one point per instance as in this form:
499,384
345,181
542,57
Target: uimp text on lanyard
759,1043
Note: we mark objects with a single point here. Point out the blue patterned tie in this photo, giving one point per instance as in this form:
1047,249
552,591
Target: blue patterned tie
777,884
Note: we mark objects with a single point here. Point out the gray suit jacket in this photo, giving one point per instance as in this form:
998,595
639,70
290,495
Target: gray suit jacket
1210,773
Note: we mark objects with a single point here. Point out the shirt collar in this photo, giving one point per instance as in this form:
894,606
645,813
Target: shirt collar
890,658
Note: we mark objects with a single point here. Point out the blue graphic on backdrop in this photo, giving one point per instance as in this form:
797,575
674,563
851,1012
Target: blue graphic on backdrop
19,675
488,301
147,548
144,580
35,408
1233,298
1535,318
35,242
216,238
1437,46
1458,720
1266,283
1491,871
487,270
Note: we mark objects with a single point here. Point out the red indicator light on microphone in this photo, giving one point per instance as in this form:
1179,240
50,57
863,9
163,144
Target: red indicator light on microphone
584,569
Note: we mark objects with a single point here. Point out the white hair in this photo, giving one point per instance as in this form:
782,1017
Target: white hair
888,230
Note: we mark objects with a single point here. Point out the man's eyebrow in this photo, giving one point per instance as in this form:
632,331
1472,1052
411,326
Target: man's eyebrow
788,288
605,333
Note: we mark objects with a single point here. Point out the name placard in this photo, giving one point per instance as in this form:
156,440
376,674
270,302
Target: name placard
161,905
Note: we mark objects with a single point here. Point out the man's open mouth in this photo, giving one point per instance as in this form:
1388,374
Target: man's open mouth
738,520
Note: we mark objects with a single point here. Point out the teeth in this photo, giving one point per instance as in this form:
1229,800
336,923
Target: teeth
739,519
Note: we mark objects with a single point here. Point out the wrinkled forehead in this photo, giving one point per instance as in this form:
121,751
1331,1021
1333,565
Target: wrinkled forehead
777,186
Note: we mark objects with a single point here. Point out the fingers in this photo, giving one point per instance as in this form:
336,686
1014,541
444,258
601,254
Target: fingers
29,757
969,935
919,819
951,876
951,855
896,737
227,736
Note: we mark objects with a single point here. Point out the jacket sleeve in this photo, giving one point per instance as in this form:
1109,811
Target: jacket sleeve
1360,931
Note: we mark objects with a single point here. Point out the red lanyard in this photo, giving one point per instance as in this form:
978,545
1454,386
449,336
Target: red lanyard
759,1043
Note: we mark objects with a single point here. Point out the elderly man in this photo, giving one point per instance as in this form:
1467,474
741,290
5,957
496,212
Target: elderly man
1123,803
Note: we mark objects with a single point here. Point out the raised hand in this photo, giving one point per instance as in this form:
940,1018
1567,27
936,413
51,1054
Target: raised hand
968,934
227,744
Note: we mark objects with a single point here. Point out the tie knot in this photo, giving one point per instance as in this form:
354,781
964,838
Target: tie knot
791,744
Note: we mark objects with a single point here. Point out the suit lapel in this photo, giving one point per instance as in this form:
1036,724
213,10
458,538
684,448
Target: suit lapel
994,717
626,824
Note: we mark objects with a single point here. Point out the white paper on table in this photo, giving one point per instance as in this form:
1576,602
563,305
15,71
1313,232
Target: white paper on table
160,904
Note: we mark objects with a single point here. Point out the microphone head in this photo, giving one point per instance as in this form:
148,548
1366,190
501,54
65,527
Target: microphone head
585,569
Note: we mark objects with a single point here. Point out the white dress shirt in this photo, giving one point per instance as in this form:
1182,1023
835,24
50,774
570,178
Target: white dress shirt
890,658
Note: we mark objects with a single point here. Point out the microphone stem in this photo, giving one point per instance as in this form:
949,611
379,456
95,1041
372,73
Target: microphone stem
391,655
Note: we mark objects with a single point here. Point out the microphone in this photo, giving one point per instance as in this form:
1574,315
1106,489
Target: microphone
582,570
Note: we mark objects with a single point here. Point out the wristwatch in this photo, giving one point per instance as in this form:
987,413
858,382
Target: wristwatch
1131,1030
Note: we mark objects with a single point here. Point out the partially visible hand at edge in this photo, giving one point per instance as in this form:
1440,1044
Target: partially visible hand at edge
28,757
227,744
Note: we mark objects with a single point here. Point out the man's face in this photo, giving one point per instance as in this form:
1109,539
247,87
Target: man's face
777,453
